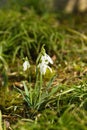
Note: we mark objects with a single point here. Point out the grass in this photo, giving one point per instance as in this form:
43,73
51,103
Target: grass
27,102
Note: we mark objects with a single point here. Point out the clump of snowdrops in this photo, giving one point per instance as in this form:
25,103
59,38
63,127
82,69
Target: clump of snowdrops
37,97
42,62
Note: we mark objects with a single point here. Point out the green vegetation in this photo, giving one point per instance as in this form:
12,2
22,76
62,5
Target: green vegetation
54,101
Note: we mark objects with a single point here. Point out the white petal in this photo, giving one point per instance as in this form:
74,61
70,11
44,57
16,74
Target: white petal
42,67
49,59
46,59
26,65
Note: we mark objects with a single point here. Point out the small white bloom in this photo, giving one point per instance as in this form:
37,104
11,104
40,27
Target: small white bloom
26,65
46,58
43,65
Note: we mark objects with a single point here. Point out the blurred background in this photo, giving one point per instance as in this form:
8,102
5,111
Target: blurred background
67,6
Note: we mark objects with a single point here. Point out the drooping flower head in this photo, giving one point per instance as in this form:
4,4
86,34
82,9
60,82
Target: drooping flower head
43,61
26,65
47,59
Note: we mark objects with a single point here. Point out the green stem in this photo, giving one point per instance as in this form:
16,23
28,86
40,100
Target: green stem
40,87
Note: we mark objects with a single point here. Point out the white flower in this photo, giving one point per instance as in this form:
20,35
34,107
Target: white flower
46,58
26,65
43,65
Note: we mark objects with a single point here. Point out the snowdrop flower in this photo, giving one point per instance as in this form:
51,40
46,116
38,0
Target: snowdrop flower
46,59
43,65
26,65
